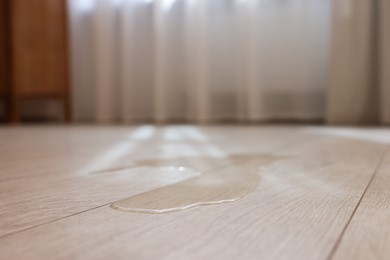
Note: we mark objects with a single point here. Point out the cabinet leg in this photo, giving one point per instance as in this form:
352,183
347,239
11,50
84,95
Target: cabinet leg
7,109
14,111
67,110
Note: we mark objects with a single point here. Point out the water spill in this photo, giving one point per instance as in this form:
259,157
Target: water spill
229,180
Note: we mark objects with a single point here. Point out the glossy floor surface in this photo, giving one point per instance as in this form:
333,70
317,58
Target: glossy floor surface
187,192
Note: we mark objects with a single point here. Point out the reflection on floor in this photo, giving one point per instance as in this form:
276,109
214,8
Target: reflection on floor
294,192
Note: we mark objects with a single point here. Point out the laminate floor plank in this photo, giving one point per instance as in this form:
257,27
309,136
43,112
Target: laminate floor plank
69,150
303,203
368,234
54,190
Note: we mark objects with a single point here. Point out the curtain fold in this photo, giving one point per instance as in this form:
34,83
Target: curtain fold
359,85
199,60
384,54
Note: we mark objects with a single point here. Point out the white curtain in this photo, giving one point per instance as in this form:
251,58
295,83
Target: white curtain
199,60
359,85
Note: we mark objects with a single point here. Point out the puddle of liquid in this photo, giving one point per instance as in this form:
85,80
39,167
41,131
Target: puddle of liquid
231,179
159,174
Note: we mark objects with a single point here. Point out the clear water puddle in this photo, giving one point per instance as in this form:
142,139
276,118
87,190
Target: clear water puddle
231,179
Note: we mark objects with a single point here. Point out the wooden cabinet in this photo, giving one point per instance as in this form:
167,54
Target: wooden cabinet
4,51
39,53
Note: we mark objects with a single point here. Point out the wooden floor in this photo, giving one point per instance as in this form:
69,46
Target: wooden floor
325,196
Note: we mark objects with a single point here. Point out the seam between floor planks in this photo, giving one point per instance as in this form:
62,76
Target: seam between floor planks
80,212
376,170
52,221
371,176
276,148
